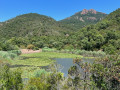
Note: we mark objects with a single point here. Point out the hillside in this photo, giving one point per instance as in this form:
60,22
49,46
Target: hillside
83,18
105,35
110,23
31,24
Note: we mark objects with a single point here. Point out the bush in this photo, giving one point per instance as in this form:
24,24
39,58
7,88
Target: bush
10,80
110,49
18,52
46,49
38,73
36,48
30,46
105,73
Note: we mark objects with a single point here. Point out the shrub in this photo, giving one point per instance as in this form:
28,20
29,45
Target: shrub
30,46
105,73
46,49
10,80
18,52
38,73
110,49
35,48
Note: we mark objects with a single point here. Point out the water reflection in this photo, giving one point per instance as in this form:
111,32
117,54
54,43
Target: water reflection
68,62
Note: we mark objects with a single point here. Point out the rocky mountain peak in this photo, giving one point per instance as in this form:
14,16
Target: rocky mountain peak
85,11
93,11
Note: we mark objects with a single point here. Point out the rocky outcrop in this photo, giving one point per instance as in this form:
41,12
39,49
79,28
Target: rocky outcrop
81,19
93,11
85,11
91,18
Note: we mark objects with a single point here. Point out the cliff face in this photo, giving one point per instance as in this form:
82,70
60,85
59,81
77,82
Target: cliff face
85,11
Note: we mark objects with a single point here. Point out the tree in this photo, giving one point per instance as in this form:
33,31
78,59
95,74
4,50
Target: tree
80,74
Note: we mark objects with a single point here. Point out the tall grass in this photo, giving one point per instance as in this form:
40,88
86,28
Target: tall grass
46,49
78,52
10,54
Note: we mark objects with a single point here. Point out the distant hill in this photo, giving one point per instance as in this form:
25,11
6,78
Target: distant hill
31,24
83,18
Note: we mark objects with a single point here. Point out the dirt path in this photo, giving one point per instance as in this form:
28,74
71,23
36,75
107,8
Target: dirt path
26,51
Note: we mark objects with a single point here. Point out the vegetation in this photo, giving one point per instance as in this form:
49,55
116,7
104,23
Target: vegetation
106,73
102,74
31,24
10,80
10,54
103,36
78,20
41,59
78,52
30,46
34,31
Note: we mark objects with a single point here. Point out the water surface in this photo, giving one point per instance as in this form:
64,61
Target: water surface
68,62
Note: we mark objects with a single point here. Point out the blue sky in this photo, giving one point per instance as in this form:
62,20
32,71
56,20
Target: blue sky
57,9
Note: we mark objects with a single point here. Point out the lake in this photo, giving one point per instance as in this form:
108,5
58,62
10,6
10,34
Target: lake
68,62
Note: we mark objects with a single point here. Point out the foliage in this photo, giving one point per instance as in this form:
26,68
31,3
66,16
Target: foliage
40,72
7,46
49,81
10,80
106,73
78,52
30,46
80,77
103,74
37,84
46,49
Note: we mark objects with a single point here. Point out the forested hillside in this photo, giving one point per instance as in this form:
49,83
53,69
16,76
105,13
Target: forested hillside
31,24
104,35
42,31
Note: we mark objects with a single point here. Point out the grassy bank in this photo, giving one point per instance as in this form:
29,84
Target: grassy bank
41,59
